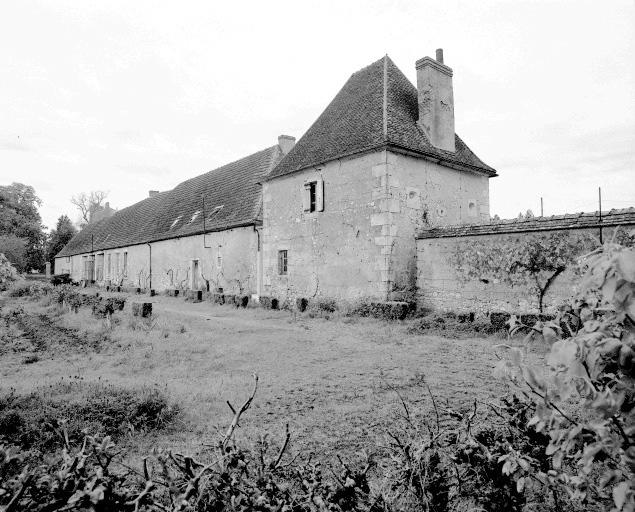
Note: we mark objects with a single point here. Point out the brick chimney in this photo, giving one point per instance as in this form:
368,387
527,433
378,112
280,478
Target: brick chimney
152,193
436,101
286,143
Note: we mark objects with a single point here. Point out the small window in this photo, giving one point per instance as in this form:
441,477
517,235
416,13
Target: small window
313,196
125,263
282,262
215,211
219,257
176,221
194,216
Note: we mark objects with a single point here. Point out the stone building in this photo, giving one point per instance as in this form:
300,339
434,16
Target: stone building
334,215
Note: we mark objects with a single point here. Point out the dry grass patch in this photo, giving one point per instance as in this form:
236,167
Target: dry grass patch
334,381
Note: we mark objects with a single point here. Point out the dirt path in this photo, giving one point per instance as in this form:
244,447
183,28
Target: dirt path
42,333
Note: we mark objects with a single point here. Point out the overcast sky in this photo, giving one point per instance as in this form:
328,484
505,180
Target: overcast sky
130,96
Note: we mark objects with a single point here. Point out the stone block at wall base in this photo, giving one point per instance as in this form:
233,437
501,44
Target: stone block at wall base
142,309
194,295
269,302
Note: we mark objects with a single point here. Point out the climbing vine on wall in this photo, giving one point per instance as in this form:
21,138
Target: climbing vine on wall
529,260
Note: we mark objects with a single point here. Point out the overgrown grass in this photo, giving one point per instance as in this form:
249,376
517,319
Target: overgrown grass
455,326
32,420
25,288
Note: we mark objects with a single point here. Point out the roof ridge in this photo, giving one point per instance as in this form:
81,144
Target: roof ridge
176,212
385,98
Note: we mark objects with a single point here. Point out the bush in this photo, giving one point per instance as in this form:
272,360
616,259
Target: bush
59,279
452,325
235,479
32,420
585,401
8,273
324,305
269,302
301,304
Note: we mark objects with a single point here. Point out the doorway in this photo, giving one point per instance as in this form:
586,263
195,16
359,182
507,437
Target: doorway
194,271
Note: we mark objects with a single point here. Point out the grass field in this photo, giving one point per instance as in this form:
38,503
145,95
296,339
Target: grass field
337,382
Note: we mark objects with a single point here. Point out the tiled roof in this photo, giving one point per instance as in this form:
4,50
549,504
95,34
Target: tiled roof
621,217
232,197
354,122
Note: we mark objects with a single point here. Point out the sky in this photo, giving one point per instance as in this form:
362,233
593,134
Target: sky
129,96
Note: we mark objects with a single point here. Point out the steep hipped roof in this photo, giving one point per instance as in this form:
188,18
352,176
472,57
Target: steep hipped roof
232,199
358,120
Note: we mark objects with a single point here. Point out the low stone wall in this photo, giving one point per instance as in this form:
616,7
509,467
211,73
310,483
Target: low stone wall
440,287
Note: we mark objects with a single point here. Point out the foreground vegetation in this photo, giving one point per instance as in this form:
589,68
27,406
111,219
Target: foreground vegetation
563,439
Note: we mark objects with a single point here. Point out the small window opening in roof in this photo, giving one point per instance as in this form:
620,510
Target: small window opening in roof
215,211
194,215
176,221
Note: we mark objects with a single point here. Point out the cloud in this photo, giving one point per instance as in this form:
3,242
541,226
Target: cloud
14,146
144,170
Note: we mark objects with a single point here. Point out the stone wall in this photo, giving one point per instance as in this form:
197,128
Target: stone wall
172,263
439,286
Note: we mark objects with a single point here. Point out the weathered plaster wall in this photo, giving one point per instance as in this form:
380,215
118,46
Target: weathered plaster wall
424,194
363,243
330,253
439,286
172,265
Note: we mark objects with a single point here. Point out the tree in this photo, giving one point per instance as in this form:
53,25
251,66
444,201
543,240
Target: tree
534,261
19,217
59,237
88,204
584,399
14,249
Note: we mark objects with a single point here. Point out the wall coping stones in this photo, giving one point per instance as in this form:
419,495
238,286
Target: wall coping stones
612,218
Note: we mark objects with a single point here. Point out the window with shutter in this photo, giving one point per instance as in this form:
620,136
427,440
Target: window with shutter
313,196
319,195
306,197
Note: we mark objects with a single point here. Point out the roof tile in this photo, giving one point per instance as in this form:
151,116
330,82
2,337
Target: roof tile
354,122
234,187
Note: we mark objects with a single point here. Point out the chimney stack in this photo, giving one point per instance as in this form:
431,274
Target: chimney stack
153,193
436,101
286,143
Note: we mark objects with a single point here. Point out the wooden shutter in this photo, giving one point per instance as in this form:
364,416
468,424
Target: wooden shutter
319,195
306,197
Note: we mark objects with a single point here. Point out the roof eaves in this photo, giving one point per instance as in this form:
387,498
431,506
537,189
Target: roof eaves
215,229
431,156
448,162
357,152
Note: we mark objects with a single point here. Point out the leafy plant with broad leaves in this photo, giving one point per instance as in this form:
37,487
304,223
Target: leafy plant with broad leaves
533,261
585,398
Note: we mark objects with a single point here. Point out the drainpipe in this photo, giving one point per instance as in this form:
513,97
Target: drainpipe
150,265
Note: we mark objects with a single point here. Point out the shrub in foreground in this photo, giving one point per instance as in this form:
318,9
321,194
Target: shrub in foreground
585,401
31,421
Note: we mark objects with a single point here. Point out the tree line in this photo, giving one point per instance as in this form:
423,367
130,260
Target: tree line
23,238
